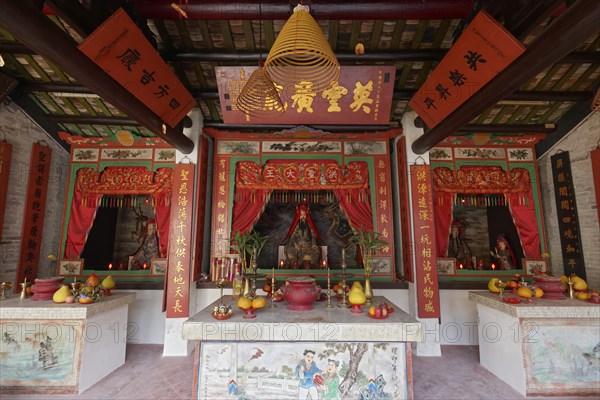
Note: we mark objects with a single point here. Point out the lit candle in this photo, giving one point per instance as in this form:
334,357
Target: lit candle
109,266
460,266
493,266
343,254
146,266
281,263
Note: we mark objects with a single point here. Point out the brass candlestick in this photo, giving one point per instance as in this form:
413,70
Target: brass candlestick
4,286
329,288
24,289
273,305
571,291
344,275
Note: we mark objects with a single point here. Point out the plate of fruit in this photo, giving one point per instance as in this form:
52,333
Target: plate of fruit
381,311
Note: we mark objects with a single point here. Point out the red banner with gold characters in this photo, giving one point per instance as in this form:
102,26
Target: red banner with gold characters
180,239
426,278
483,50
5,157
35,208
120,48
220,222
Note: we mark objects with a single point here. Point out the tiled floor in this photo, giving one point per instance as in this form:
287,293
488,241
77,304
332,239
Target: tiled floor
148,375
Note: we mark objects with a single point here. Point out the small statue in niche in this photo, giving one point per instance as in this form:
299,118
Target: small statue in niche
504,254
458,247
148,249
301,244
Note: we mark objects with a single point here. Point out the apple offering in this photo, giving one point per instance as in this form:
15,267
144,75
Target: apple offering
381,311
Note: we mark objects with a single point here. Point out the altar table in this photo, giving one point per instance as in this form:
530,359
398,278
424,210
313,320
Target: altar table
266,357
49,348
543,347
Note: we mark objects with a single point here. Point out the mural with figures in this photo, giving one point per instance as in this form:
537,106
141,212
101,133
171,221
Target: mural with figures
310,370
556,360
40,353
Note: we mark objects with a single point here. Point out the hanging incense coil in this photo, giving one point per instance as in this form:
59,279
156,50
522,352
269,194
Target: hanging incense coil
302,54
259,95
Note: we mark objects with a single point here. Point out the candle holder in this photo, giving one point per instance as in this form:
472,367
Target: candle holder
571,291
328,288
4,286
273,305
24,289
344,275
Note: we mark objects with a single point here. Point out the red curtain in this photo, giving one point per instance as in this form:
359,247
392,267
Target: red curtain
162,211
80,223
442,214
248,205
523,213
356,204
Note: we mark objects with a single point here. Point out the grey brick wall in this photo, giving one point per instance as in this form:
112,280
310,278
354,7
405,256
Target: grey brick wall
21,132
579,143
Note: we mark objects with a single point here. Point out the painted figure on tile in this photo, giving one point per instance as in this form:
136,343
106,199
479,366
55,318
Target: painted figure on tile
504,254
458,247
301,244
148,249
46,354
307,372
330,389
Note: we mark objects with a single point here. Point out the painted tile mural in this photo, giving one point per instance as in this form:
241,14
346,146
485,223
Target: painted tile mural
41,353
307,370
556,360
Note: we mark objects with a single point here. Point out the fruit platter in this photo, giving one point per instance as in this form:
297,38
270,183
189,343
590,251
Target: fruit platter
381,311
511,300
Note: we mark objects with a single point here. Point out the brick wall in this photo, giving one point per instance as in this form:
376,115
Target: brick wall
21,132
579,142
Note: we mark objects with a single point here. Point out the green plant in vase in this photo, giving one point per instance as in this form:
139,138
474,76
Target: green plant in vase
369,243
248,245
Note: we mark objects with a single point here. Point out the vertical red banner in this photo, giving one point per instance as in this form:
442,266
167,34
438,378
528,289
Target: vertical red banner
180,239
201,191
426,278
35,208
5,157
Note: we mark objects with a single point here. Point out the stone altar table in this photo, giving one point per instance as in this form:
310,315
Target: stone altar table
279,354
49,348
543,347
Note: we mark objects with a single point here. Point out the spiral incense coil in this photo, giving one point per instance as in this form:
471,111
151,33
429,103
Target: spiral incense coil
302,54
259,95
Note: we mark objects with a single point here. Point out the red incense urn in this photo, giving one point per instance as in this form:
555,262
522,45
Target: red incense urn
552,287
300,293
43,289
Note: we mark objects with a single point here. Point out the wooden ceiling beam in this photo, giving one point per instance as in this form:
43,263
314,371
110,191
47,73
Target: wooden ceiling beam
567,32
202,55
32,28
125,121
405,94
320,10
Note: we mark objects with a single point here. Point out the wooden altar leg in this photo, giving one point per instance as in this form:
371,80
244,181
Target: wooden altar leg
409,374
196,370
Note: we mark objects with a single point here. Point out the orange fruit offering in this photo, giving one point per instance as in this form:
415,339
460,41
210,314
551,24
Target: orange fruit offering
259,302
372,310
538,292
267,288
524,291
244,303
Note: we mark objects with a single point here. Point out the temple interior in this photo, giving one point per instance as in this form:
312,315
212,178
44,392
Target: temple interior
271,200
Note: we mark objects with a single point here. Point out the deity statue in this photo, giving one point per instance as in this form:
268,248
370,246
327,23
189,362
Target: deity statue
458,247
504,254
148,249
301,244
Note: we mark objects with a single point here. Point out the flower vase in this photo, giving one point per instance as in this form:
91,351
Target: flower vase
368,289
246,289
